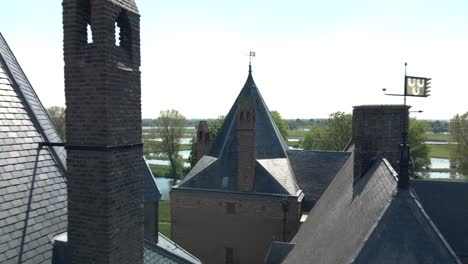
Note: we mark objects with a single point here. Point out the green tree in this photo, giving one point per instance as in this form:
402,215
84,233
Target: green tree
459,136
335,134
280,123
213,125
57,116
171,126
419,151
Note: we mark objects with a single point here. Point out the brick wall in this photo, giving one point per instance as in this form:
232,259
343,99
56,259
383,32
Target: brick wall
245,127
210,224
103,119
377,130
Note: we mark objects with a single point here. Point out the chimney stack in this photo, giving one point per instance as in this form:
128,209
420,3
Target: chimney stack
245,143
203,139
377,129
103,120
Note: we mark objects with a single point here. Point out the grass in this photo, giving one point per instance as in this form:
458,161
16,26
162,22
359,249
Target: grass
437,137
164,214
439,151
296,133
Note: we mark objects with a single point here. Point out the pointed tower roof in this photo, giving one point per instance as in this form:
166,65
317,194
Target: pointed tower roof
218,169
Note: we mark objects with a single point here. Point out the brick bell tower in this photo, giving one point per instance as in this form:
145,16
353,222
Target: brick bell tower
246,143
103,120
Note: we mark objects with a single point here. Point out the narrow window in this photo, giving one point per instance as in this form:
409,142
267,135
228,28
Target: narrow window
229,255
199,136
117,34
242,116
89,33
248,116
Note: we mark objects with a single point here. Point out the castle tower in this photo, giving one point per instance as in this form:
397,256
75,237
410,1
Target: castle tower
245,127
103,120
203,139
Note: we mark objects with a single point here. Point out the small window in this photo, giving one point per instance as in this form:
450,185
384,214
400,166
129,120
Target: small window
229,255
230,208
248,116
199,135
117,34
241,115
89,33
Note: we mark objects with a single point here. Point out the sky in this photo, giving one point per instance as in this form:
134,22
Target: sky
313,58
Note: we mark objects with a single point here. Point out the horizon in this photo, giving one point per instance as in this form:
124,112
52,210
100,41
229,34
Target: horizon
313,59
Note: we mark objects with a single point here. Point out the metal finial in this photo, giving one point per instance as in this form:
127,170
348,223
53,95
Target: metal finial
251,54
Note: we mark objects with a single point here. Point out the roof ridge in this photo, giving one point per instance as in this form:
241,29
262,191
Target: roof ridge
379,218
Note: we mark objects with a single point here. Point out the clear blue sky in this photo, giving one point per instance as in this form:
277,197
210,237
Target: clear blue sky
313,57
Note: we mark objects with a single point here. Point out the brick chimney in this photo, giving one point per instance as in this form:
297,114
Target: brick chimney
103,120
245,143
377,129
203,139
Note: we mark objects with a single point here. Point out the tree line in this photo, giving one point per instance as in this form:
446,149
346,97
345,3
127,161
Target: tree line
332,134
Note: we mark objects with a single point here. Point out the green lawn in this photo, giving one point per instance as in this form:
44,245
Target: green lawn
437,137
164,214
439,151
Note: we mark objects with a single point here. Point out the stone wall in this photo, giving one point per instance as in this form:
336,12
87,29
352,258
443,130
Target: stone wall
219,227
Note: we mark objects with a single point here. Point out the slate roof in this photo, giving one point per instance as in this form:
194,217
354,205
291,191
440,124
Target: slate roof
278,252
166,251
218,168
446,203
33,188
151,192
314,171
370,221
33,191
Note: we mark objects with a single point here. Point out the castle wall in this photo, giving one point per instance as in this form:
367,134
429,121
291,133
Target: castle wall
219,227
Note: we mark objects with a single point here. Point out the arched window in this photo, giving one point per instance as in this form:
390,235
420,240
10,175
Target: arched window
241,115
123,33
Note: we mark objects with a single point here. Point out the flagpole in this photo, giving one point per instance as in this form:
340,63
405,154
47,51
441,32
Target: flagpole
403,180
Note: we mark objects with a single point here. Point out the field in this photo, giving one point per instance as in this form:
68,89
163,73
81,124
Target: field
439,151
438,137
164,214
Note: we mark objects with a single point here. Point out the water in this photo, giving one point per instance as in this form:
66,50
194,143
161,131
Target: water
164,187
293,139
439,143
184,154
164,162
184,141
294,148
443,175
153,127
440,163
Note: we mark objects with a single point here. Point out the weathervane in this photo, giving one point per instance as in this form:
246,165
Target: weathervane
414,86
251,54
